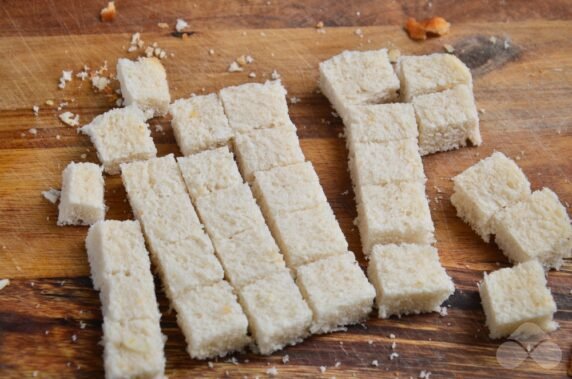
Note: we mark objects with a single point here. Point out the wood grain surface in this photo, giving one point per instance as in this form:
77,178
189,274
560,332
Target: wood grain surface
50,319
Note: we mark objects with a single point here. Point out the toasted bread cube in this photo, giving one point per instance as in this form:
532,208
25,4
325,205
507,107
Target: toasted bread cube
394,213
537,227
144,83
227,212
115,248
515,296
308,235
199,123
277,313
388,162
129,297
186,264
81,200
212,321
263,149
209,171
121,135
249,256
358,77
337,291
447,120
408,279
290,188
380,123
485,188
157,176
254,105
133,349
423,74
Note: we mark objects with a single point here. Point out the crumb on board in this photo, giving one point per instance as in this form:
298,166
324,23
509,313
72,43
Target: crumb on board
294,100
66,77
319,25
108,13
393,356
285,359
234,67
163,25
33,131
36,110
424,374
82,325
181,25
443,311
449,48
420,30
52,195
211,51
4,283
375,363
252,74
49,102
74,337
358,32
69,118
210,364
272,371
100,83
392,336
275,75
323,369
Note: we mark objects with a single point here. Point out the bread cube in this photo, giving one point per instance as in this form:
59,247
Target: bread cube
388,162
447,120
308,235
517,295
133,349
249,256
380,123
263,149
199,123
290,188
230,211
120,135
537,227
186,264
212,321
278,315
358,77
157,176
337,291
254,105
81,200
408,279
423,74
144,83
115,248
485,188
394,213
209,171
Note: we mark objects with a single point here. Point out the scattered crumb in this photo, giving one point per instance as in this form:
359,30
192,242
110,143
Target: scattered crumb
159,128
394,55
74,337
108,13
338,364
181,25
35,373
82,325
286,358
100,82
83,156
49,102
294,100
52,195
33,131
358,32
4,283
69,118
392,336
493,40
393,345
210,364
358,13
163,25
335,115
322,369
370,342
136,42
320,25
443,311
235,67
375,363
424,374
58,137
66,77
506,44
435,26
393,356
275,75
211,51
252,74
448,48
232,360
272,371
345,193
36,110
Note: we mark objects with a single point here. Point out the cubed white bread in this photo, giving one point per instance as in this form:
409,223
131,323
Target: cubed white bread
263,149
447,120
249,256
144,83
485,188
425,74
387,162
289,188
81,199
159,176
209,171
278,315
199,123
121,135
380,123
255,105
129,297
186,264
515,296
535,228
408,279
133,349
115,248
212,321
337,291
227,212
358,77
308,235
394,213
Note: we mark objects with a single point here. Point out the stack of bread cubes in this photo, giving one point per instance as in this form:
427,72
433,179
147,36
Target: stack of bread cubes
247,246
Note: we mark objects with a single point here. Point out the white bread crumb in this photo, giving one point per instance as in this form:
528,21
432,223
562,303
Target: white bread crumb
272,371
424,374
33,131
275,75
163,25
393,356
52,195
286,358
66,77
4,283
36,110
322,369
108,13
210,364
69,118
252,75
181,25
235,67
375,363
100,82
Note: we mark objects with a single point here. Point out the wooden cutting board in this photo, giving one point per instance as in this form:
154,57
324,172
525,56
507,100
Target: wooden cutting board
50,320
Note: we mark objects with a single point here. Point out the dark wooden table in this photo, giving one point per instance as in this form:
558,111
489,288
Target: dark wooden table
50,320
